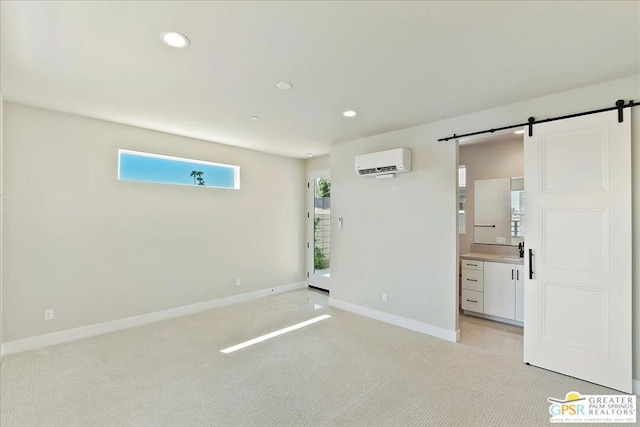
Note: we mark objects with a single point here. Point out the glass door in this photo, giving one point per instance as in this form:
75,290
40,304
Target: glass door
319,230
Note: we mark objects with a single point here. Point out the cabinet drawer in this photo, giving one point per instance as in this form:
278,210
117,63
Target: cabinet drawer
472,279
472,264
472,300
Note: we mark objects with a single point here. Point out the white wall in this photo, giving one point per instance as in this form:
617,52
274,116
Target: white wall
96,249
487,160
1,216
400,235
317,163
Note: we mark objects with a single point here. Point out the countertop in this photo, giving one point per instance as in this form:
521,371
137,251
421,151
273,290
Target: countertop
507,259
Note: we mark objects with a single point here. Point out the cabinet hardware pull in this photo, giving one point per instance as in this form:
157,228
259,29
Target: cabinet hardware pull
512,274
470,300
471,280
474,265
530,264
517,274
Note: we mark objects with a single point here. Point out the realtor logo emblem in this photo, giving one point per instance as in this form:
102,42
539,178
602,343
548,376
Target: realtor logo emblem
577,408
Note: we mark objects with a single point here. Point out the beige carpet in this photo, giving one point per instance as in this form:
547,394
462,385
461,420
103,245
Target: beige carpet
344,371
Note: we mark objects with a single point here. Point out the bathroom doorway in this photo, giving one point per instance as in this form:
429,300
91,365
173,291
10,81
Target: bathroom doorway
491,226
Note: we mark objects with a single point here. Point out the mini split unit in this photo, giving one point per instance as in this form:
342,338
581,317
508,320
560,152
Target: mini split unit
384,164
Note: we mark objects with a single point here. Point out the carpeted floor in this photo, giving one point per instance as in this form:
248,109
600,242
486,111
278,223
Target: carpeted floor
346,370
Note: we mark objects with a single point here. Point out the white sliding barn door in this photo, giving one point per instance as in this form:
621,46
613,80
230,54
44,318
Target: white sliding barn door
578,227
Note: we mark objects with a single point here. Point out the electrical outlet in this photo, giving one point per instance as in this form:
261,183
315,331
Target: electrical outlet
48,314
237,282
385,298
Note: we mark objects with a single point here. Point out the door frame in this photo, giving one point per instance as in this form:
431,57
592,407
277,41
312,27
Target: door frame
479,139
627,116
315,280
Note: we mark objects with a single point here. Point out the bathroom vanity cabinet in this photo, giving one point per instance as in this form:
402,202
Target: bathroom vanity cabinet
473,285
492,287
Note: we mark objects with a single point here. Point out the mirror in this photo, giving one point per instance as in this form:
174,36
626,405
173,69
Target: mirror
517,210
498,208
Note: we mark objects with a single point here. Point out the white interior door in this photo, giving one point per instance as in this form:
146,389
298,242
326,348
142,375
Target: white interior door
578,201
319,230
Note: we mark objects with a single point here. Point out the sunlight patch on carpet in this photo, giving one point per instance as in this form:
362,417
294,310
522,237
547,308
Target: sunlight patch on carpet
274,334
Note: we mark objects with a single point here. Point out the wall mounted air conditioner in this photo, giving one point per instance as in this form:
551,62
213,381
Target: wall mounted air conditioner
384,163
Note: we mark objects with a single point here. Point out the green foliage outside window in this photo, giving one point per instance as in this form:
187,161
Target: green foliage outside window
319,260
324,187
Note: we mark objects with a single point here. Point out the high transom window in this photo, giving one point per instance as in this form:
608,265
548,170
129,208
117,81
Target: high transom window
147,167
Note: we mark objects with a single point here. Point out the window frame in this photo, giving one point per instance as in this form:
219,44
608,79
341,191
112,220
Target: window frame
462,200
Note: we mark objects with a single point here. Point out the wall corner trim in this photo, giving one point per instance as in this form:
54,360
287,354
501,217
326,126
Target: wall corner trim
59,337
393,319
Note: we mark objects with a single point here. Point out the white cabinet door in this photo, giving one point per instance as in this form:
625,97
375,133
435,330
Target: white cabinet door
499,289
519,293
578,294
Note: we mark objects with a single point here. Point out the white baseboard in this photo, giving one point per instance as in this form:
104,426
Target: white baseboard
403,322
496,318
31,343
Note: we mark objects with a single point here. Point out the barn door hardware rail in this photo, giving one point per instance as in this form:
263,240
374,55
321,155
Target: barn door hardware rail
620,105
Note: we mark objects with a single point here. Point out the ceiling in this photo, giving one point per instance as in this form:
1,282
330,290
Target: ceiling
398,64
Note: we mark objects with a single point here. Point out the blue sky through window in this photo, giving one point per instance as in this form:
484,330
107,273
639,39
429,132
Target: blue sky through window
135,166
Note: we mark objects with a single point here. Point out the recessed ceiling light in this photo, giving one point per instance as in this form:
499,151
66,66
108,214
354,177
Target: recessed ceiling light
284,85
254,117
309,154
519,132
174,39
349,113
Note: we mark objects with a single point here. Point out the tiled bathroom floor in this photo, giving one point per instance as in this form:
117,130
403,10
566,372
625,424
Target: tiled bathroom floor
490,336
